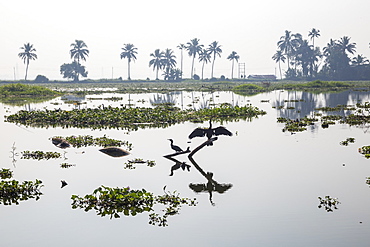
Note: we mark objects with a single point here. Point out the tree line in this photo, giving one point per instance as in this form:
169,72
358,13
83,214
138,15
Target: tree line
332,62
164,61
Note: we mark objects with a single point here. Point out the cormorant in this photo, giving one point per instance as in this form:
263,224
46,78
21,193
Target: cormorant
174,147
200,132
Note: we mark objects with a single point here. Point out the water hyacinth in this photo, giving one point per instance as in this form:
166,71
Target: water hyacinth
130,118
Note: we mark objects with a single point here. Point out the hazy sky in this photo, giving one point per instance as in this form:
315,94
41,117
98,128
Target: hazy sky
251,28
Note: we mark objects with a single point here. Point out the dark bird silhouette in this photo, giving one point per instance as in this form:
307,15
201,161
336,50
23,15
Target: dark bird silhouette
179,165
174,147
64,183
209,132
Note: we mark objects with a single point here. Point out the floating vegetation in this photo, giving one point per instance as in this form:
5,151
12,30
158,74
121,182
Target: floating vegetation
13,191
22,90
365,150
130,118
130,163
115,201
6,173
328,203
347,141
297,125
40,155
248,89
66,165
88,140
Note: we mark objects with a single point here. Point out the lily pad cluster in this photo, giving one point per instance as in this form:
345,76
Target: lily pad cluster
130,164
114,202
347,141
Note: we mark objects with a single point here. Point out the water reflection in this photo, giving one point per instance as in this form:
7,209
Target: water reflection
211,185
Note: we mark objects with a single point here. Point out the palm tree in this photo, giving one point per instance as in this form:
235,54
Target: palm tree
345,45
168,60
205,57
79,51
181,47
233,56
215,49
279,57
314,33
193,48
129,52
285,44
27,54
359,60
156,61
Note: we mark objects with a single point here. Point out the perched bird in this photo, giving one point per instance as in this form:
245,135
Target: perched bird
174,147
209,132
64,183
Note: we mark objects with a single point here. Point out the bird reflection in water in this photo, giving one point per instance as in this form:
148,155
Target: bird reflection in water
209,132
211,185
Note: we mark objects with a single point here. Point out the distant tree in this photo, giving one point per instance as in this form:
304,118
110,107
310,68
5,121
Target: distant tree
194,48
26,55
181,47
129,52
41,79
314,33
288,44
157,61
279,57
79,52
73,70
214,49
359,60
168,61
346,45
233,57
204,57
172,74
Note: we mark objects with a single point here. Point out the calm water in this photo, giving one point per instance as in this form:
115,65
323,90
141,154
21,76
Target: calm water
276,179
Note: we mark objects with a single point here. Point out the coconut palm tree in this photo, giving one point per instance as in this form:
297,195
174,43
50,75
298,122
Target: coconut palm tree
204,57
314,33
193,47
279,57
181,47
233,57
359,60
215,49
346,46
168,60
157,61
129,52
27,54
285,45
79,51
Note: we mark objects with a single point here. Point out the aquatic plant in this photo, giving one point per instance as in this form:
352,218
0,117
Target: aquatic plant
130,118
328,203
18,89
347,141
88,140
130,163
365,150
66,165
113,202
13,191
40,155
6,173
